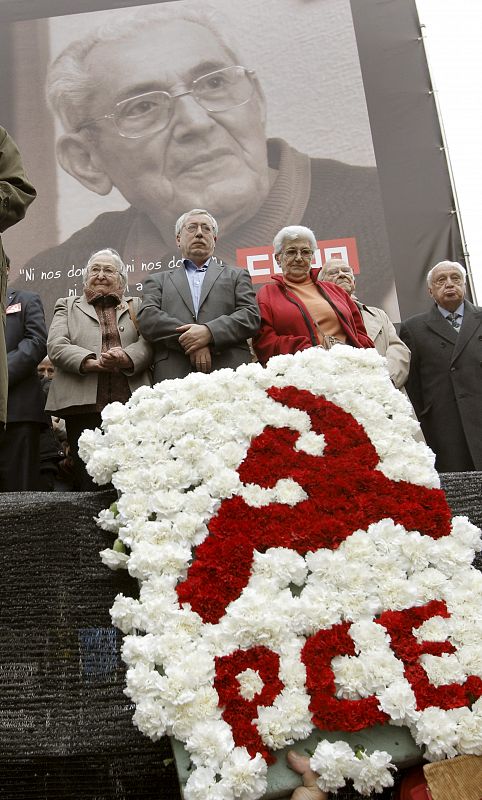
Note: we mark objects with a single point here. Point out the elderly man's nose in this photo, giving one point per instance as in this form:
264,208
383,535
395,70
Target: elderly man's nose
189,117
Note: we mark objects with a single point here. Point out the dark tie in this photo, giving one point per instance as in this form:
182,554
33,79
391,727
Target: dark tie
454,320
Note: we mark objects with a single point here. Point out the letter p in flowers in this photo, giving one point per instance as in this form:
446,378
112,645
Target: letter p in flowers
239,711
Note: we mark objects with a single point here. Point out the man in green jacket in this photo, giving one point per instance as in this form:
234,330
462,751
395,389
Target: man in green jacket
16,194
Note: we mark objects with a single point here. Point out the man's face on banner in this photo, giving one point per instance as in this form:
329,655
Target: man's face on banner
211,160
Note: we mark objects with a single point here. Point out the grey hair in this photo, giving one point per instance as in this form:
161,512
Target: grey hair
70,88
450,264
108,252
293,232
182,219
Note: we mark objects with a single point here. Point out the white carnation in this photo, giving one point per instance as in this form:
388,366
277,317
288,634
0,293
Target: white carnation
243,775
126,613
469,731
210,743
202,784
333,763
108,521
113,559
151,718
372,773
250,683
438,732
443,669
283,565
399,702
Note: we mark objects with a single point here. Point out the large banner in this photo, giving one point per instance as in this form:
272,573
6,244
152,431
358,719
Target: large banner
286,112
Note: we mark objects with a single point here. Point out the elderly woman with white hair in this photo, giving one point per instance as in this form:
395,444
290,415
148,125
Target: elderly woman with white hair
300,311
98,353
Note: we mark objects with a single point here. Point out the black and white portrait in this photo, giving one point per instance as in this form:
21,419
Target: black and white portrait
255,112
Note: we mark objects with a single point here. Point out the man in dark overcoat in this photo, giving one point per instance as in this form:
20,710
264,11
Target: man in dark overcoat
445,379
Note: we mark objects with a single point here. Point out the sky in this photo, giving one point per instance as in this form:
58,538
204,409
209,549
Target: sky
453,31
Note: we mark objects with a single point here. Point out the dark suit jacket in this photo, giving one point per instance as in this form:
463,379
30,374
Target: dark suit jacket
445,385
227,306
26,336
16,194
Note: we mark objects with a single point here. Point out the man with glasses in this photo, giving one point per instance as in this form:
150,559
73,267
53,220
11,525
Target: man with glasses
445,379
159,106
198,317
379,327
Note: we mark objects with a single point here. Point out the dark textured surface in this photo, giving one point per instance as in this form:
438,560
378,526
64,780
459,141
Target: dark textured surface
65,724
463,491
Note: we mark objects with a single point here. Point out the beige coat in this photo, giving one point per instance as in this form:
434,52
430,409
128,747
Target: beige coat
384,336
75,334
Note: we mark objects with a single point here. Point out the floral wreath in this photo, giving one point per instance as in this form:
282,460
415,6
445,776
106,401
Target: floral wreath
330,586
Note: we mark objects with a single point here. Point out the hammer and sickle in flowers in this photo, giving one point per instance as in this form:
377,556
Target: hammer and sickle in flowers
345,492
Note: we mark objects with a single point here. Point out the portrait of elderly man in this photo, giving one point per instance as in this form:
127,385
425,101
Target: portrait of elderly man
161,106
200,315
444,383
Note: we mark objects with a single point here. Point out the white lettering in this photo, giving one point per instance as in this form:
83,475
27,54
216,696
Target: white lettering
255,271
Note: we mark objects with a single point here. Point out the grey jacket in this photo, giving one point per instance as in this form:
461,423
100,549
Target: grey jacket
227,306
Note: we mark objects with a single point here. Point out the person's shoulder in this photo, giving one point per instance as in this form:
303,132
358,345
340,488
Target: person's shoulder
23,296
158,278
132,300
228,267
271,288
473,309
376,312
416,320
153,285
241,273
67,302
107,230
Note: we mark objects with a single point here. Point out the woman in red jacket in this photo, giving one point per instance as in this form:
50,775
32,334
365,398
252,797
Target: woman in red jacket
299,311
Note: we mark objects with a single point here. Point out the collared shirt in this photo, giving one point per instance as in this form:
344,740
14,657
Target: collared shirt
458,311
195,277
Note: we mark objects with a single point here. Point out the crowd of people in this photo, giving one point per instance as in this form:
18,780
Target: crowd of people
203,316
